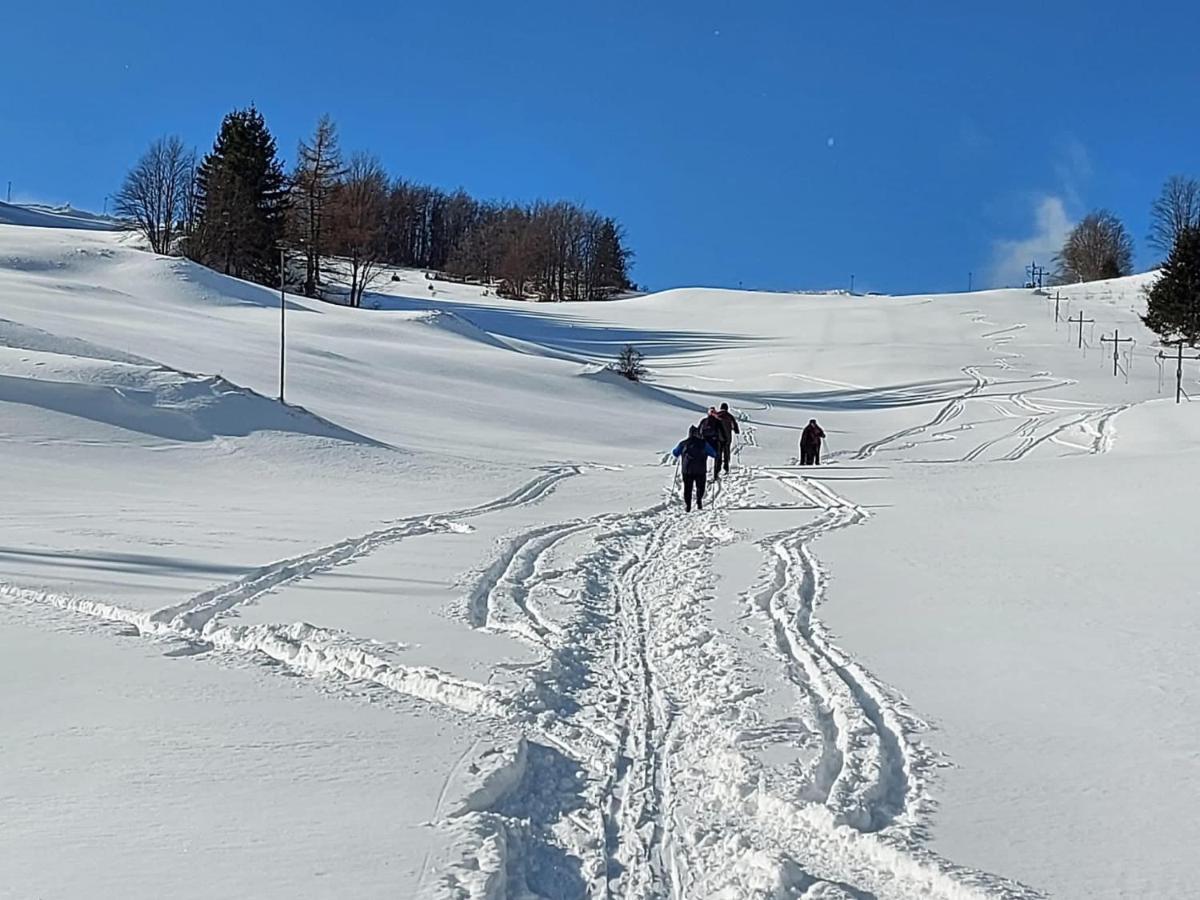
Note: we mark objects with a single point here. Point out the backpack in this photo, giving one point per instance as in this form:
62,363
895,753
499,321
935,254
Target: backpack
693,460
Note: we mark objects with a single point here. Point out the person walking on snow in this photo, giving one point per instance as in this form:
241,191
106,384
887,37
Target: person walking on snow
810,444
730,425
712,430
693,453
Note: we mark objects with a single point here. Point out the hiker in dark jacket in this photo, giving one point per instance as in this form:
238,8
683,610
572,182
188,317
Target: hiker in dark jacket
713,431
810,444
693,453
730,425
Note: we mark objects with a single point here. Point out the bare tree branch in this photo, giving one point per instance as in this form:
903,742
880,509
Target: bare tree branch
1176,210
156,193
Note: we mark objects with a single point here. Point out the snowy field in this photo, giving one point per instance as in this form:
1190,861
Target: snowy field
439,628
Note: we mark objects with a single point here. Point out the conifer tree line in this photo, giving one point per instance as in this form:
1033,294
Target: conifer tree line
233,209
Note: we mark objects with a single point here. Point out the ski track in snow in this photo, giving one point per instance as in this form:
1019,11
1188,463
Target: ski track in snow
196,612
660,723
635,773
1038,423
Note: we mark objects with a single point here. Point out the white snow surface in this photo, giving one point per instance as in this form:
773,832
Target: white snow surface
40,215
439,627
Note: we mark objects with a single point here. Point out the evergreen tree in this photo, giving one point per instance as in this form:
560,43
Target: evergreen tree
1173,310
612,260
241,201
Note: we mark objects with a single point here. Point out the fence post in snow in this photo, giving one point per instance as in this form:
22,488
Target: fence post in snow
1080,322
1116,340
1179,358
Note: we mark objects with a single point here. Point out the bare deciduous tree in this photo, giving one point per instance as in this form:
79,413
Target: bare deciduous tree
318,168
1098,247
358,206
555,251
155,194
1176,210
191,198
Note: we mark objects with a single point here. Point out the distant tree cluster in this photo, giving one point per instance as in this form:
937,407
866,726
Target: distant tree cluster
554,251
1100,247
235,209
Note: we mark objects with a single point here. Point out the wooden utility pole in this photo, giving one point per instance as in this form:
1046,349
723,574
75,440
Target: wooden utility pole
1179,358
1080,322
1116,340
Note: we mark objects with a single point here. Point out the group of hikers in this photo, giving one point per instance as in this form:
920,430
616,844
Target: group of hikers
713,437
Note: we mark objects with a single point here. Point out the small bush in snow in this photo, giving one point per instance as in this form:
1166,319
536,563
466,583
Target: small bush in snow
629,363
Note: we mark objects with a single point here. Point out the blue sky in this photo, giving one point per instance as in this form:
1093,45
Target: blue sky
770,144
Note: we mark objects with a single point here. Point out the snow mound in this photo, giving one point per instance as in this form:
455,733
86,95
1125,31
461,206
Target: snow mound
453,323
38,216
152,401
637,390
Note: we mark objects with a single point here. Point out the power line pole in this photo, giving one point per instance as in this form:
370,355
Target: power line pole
1179,358
852,284
1057,300
9,200
1080,322
970,281
1116,340
1033,275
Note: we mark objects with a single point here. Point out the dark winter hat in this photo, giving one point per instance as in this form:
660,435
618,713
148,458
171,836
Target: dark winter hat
693,431
725,407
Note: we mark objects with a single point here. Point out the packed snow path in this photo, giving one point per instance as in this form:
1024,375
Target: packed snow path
649,702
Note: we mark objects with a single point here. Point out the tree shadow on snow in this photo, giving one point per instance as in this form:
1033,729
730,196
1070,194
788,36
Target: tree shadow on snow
575,339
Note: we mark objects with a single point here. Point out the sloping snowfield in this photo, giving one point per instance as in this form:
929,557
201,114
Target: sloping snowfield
439,626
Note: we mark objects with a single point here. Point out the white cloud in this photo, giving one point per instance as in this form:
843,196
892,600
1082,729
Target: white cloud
1051,224
1073,169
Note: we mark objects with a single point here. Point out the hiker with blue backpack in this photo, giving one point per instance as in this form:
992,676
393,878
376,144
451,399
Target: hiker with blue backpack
693,453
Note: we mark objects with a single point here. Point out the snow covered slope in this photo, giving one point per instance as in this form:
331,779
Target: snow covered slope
940,666
41,216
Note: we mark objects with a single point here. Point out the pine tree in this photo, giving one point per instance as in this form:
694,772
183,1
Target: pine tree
241,201
318,168
612,260
1173,310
